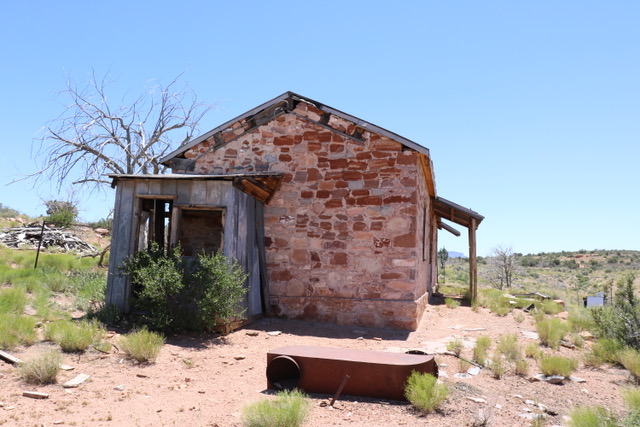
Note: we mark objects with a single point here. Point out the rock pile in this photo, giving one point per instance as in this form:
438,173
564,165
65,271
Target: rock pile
29,237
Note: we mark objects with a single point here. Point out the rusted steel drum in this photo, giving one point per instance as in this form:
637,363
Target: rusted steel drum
322,370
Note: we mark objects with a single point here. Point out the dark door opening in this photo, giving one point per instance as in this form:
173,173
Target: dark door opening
201,230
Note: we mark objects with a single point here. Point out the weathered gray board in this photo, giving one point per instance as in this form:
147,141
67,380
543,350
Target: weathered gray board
240,241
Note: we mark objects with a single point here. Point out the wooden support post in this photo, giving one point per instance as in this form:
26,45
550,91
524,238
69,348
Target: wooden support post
473,265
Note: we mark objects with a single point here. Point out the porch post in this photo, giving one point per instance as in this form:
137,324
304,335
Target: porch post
473,266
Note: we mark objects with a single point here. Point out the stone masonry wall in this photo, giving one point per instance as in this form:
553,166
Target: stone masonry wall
344,232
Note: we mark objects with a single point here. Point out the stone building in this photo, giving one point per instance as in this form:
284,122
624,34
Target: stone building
334,218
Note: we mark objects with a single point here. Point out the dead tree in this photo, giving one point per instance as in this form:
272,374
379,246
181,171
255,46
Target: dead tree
95,136
503,265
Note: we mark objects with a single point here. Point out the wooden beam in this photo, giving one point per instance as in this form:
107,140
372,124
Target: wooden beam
427,169
473,265
449,228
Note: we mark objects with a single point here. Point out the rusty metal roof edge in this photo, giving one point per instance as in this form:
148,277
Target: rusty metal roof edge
292,95
459,208
195,176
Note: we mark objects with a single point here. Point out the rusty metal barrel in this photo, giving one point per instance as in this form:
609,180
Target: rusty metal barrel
322,370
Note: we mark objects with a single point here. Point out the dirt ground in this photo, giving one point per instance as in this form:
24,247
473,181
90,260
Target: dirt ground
206,381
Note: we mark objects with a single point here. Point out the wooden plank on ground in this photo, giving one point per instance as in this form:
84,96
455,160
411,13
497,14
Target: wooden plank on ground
10,358
35,394
75,382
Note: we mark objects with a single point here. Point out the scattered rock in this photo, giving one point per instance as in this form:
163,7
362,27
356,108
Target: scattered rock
461,375
240,357
253,333
142,376
474,371
67,368
476,399
376,339
587,335
274,333
119,387
577,379
530,334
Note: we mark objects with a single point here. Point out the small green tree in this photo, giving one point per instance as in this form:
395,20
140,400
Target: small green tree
620,320
61,213
443,257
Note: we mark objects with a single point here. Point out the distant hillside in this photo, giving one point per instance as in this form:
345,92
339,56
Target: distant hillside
454,254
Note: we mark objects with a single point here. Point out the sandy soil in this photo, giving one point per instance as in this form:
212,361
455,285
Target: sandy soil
205,381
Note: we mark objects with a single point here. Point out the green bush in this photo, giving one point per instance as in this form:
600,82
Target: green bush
549,307
74,336
142,346
605,350
200,294
12,300
592,417
289,409
455,346
424,392
481,349
509,347
630,359
631,397
532,350
557,365
42,369
620,320
451,302
551,331
16,329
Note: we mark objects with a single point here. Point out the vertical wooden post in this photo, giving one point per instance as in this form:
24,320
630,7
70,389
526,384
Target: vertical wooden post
39,245
473,265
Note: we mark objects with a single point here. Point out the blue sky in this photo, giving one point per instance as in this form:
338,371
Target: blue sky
531,110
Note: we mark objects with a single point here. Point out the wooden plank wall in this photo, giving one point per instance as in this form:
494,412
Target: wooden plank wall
240,231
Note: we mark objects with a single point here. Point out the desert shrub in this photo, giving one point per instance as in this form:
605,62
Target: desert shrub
509,347
519,317
199,294
631,397
102,223
630,359
61,213
500,309
551,331
89,287
288,409
7,212
557,365
455,346
42,369
577,340
521,367
481,349
12,300
498,366
598,416
549,307
74,336
16,329
532,350
143,346
106,313
620,320
424,392
604,350
463,365
451,302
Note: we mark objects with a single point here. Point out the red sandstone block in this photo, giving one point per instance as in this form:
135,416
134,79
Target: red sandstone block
381,242
323,194
391,276
377,225
386,145
359,226
405,241
313,174
357,165
336,244
360,192
380,154
300,177
337,163
351,201
306,194
283,140
327,185
339,193
314,146
300,256
351,175
326,225
341,226
314,256
333,203
281,275
284,158
337,138
310,136
336,148
408,182
396,199
339,258
341,184
371,183
369,201
329,235
407,158
324,136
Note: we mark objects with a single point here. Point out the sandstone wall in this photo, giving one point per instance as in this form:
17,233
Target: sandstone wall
344,233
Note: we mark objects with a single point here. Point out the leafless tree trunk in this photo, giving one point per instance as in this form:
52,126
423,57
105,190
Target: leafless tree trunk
503,265
96,136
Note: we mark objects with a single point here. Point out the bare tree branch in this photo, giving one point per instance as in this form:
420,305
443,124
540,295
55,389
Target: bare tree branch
95,136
